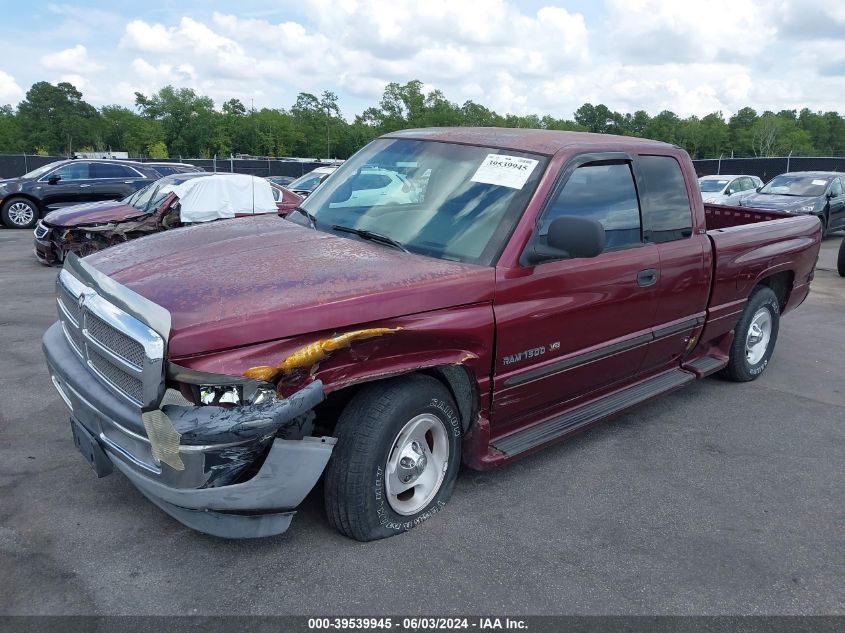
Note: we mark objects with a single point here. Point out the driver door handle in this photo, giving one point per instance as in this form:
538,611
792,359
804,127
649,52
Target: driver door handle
647,277
84,185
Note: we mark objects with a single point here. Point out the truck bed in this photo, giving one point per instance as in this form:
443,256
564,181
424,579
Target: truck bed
722,216
750,245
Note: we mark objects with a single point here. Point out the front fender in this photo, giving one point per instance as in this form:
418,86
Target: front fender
365,352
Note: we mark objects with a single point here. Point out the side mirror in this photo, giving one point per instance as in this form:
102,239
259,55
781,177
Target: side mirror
569,237
757,189
52,180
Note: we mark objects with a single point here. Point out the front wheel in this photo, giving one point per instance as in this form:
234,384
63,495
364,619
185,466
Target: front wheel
755,336
840,260
396,460
19,213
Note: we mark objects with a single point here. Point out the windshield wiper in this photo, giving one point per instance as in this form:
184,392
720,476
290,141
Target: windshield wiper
308,215
370,235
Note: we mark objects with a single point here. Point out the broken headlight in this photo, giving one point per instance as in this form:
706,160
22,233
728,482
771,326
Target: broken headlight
234,394
204,388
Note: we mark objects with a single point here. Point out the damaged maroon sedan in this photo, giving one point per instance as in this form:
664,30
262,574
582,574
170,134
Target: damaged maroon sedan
172,201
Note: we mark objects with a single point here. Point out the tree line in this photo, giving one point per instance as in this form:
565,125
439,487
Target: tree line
178,122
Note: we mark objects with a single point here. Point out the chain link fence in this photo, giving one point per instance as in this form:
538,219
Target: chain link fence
14,165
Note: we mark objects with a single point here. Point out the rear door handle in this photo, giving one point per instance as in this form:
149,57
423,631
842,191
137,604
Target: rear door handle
84,186
647,277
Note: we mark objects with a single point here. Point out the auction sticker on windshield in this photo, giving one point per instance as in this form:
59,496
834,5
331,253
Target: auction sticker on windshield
504,170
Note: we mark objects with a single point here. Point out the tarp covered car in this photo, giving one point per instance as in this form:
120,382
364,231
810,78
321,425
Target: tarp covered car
170,202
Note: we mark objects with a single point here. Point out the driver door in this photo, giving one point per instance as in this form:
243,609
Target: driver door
74,185
567,328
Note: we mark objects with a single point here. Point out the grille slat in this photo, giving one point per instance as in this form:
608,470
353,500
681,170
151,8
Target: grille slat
71,304
115,341
74,336
122,381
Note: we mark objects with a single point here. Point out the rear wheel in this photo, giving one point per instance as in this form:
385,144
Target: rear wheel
755,336
19,213
396,460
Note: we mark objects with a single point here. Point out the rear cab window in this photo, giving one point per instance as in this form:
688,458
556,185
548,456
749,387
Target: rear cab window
667,214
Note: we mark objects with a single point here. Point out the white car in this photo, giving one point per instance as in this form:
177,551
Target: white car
727,189
375,186
306,184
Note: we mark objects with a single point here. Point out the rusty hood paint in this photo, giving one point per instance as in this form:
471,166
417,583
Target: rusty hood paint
92,213
229,284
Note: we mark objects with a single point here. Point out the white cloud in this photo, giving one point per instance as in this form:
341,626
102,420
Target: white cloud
70,60
10,91
668,31
689,57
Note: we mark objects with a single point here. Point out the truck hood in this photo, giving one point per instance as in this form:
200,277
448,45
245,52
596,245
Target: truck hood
231,284
91,213
777,202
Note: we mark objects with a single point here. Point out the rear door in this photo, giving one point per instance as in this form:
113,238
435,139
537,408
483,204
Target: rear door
567,328
685,259
114,181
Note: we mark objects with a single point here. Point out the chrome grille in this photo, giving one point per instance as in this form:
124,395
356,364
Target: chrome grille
121,351
74,335
128,349
70,304
117,377
41,230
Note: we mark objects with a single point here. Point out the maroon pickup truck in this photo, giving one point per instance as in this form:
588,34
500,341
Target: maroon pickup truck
533,283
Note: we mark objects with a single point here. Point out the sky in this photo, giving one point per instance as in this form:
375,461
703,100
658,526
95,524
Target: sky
529,57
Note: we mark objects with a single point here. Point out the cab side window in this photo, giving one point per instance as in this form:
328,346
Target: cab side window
667,215
110,170
603,192
71,171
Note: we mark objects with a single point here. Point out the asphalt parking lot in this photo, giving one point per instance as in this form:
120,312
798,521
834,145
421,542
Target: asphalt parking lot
719,499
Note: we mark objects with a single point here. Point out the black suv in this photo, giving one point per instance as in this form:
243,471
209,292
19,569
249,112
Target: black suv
23,200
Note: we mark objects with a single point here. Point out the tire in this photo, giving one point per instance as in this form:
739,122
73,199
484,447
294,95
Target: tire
823,219
748,360
384,422
19,213
840,260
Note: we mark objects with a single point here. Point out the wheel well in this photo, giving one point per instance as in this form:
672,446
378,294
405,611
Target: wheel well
456,378
28,197
781,285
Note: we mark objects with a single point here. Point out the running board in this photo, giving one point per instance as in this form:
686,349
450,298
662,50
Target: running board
544,432
706,365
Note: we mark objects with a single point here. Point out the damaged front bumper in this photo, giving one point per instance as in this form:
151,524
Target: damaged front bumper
45,251
235,476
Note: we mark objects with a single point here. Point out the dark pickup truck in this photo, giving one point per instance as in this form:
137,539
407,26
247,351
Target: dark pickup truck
535,283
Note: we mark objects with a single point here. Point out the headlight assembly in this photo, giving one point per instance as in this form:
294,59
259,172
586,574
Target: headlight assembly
220,389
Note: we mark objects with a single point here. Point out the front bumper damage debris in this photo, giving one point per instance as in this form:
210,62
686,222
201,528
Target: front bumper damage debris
233,472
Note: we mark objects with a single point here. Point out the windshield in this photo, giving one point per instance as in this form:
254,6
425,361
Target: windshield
454,202
711,186
789,185
308,182
150,197
37,173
